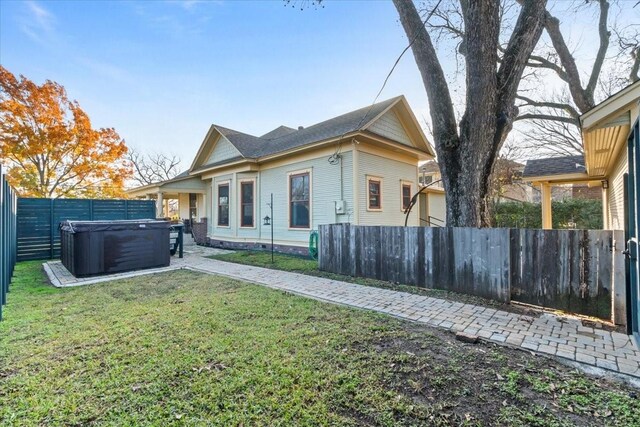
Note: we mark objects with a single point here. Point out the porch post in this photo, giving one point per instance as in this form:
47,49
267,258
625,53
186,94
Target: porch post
545,193
605,208
159,205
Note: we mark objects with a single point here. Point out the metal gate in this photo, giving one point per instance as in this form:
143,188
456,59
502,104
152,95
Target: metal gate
633,227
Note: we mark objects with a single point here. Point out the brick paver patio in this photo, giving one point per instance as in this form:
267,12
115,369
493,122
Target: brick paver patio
562,337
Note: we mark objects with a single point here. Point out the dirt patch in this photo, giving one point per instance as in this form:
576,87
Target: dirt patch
487,384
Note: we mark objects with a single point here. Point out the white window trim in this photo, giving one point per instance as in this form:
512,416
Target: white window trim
403,183
374,178
255,222
217,201
298,172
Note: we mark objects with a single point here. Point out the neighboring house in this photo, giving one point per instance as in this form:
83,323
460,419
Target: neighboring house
510,186
605,132
360,167
559,166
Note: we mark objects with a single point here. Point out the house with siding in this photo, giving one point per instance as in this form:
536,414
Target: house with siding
360,167
605,162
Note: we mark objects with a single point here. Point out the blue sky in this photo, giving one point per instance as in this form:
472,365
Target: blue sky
161,72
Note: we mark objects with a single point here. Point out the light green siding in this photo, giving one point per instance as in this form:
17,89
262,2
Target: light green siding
325,191
392,173
222,150
389,126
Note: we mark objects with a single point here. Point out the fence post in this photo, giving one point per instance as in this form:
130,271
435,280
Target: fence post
51,227
126,209
90,209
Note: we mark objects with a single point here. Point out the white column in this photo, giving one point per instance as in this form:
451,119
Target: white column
159,205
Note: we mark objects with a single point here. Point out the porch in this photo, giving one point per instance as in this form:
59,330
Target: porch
182,197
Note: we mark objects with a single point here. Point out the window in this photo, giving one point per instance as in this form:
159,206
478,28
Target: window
375,194
246,204
427,179
223,205
299,201
406,196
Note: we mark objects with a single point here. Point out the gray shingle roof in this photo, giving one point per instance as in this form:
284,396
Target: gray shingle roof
554,166
278,132
284,138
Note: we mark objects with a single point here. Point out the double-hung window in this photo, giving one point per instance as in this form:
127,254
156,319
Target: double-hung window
374,191
246,204
300,200
223,205
406,196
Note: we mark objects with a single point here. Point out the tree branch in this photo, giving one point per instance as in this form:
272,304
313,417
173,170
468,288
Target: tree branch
440,106
523,40
536,116
557,105
605,35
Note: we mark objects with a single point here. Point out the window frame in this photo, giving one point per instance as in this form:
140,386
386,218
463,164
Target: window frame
404,184
380,186
291,175
241,203
228,185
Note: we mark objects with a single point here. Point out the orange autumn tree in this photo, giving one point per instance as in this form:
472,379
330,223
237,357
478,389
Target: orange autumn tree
50,147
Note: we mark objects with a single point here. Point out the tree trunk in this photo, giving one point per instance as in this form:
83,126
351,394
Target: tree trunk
467,158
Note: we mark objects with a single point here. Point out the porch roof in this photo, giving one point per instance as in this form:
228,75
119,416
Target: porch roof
182,183
605,129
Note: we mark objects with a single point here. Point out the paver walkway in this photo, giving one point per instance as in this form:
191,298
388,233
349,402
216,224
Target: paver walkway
556,336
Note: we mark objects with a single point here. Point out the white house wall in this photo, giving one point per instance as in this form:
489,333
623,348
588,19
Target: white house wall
437,208
222,150
392,173
325,191
183,205
389,126
615,193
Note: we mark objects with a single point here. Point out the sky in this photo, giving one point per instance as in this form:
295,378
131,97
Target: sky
161,72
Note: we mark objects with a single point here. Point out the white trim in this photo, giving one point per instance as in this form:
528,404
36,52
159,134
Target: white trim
403,183
300,172
380,180
239,188
217,202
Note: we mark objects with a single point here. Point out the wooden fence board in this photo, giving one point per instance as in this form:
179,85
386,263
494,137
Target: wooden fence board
571,270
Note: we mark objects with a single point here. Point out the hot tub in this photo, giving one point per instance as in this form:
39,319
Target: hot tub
91,248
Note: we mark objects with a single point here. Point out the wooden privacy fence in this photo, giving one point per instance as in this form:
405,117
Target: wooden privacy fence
38,236
570,270
7,237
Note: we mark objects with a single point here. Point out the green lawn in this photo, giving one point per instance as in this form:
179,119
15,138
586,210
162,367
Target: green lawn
184,348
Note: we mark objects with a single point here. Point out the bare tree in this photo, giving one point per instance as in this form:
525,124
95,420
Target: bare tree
467,155
554,118
153,168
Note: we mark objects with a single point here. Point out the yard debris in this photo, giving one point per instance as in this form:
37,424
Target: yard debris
468,338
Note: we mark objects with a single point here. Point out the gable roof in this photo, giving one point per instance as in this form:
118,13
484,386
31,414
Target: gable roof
284,138
554,166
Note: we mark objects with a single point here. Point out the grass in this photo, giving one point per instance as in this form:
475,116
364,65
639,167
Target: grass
305,265
184,348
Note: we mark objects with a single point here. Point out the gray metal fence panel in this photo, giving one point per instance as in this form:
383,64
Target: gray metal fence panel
38,236
7,237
